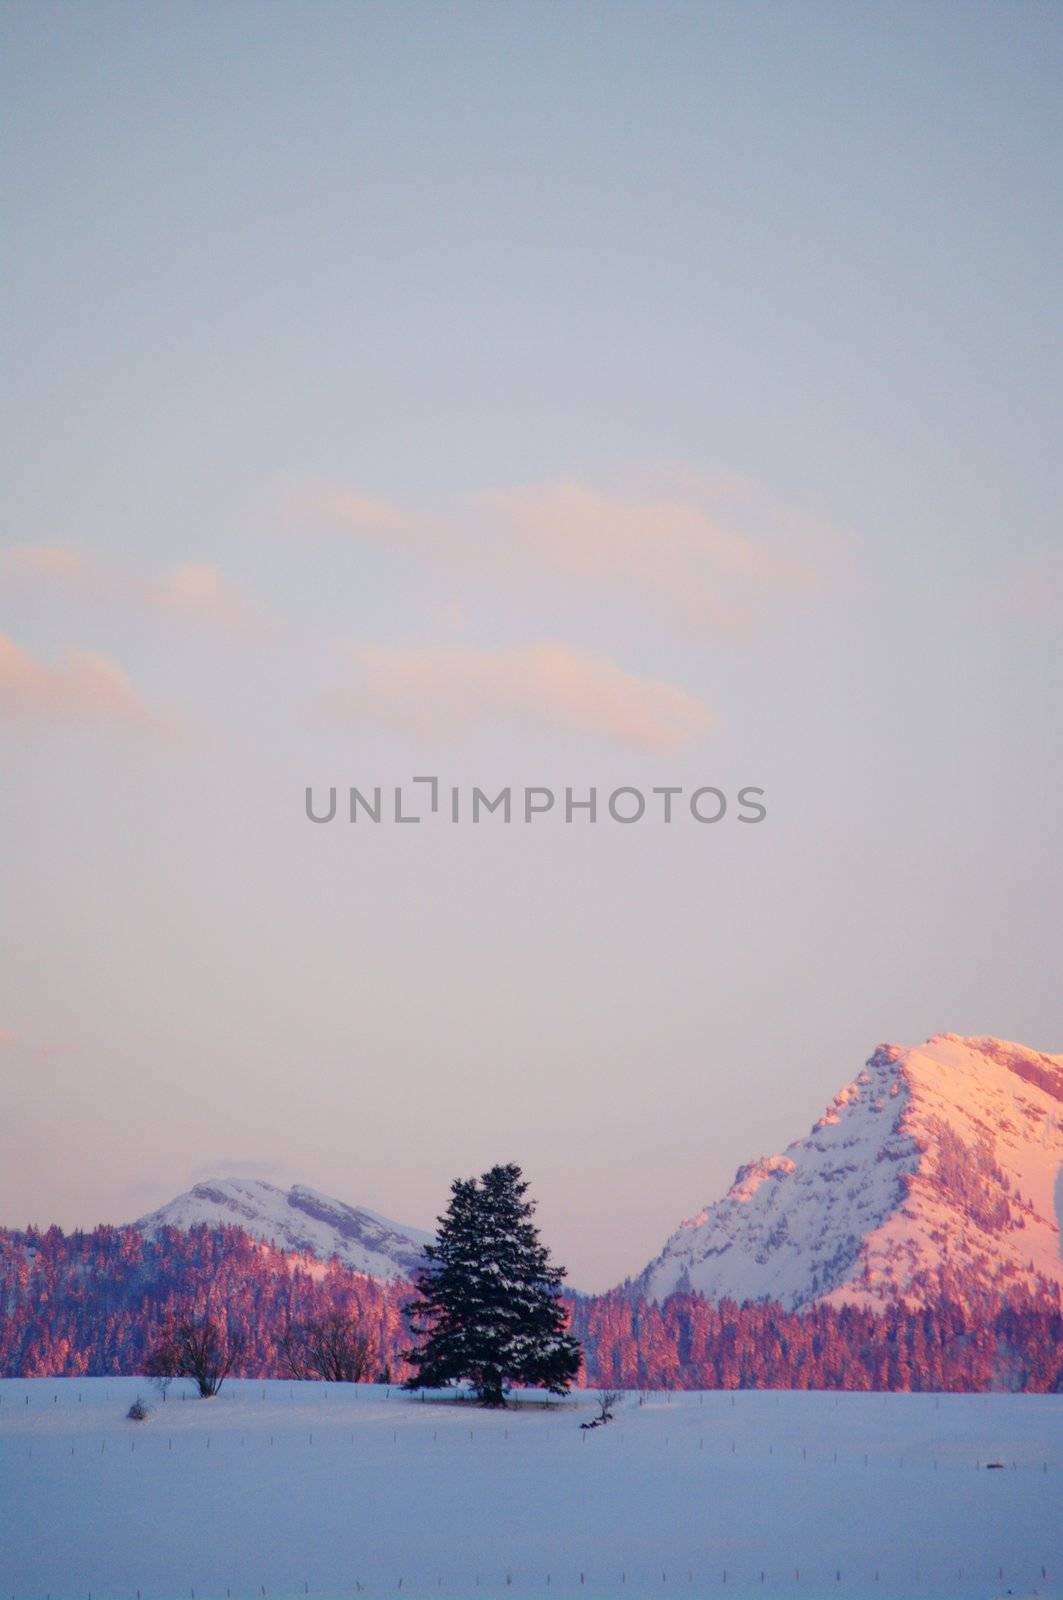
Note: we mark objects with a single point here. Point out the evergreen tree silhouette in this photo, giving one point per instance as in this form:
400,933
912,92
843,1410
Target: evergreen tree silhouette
489,1310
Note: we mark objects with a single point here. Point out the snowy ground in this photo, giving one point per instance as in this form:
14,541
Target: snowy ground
280,1490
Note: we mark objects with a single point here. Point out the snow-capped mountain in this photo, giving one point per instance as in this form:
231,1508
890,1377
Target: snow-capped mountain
297,1219
938,1170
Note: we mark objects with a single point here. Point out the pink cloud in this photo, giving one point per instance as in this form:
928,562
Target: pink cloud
458,687
200,592
1033,588
58,565
8,1038
196,592
344,509
82,688
709,555
689,559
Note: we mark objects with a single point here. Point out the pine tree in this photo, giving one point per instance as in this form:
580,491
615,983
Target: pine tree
490,1310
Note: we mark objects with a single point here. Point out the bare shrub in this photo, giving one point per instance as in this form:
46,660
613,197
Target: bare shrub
198,1349
160,1382
607,1399
329,1347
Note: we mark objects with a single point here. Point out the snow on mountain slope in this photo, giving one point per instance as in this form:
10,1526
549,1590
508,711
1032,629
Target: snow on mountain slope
297,1219
938,1170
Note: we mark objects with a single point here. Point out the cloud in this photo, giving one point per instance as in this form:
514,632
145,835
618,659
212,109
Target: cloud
200,592
9,1039
687,559
271,1171
82,688
345,509
449,617
456,688
1033,588
59,566
197,592
713,556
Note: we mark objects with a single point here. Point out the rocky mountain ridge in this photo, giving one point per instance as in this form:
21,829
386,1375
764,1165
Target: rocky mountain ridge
938,1171
296,1219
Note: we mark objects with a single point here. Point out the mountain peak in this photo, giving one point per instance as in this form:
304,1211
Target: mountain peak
935,1171
297,1219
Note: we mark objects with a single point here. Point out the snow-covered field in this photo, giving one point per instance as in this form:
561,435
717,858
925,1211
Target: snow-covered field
279,1490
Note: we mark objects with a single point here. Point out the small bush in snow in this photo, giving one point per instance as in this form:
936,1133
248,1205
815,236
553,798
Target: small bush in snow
138,1411
607,1399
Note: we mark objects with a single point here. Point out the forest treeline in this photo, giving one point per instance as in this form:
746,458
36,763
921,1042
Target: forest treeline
99,1303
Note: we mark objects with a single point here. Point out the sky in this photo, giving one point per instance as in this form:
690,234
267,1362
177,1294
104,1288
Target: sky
612,395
